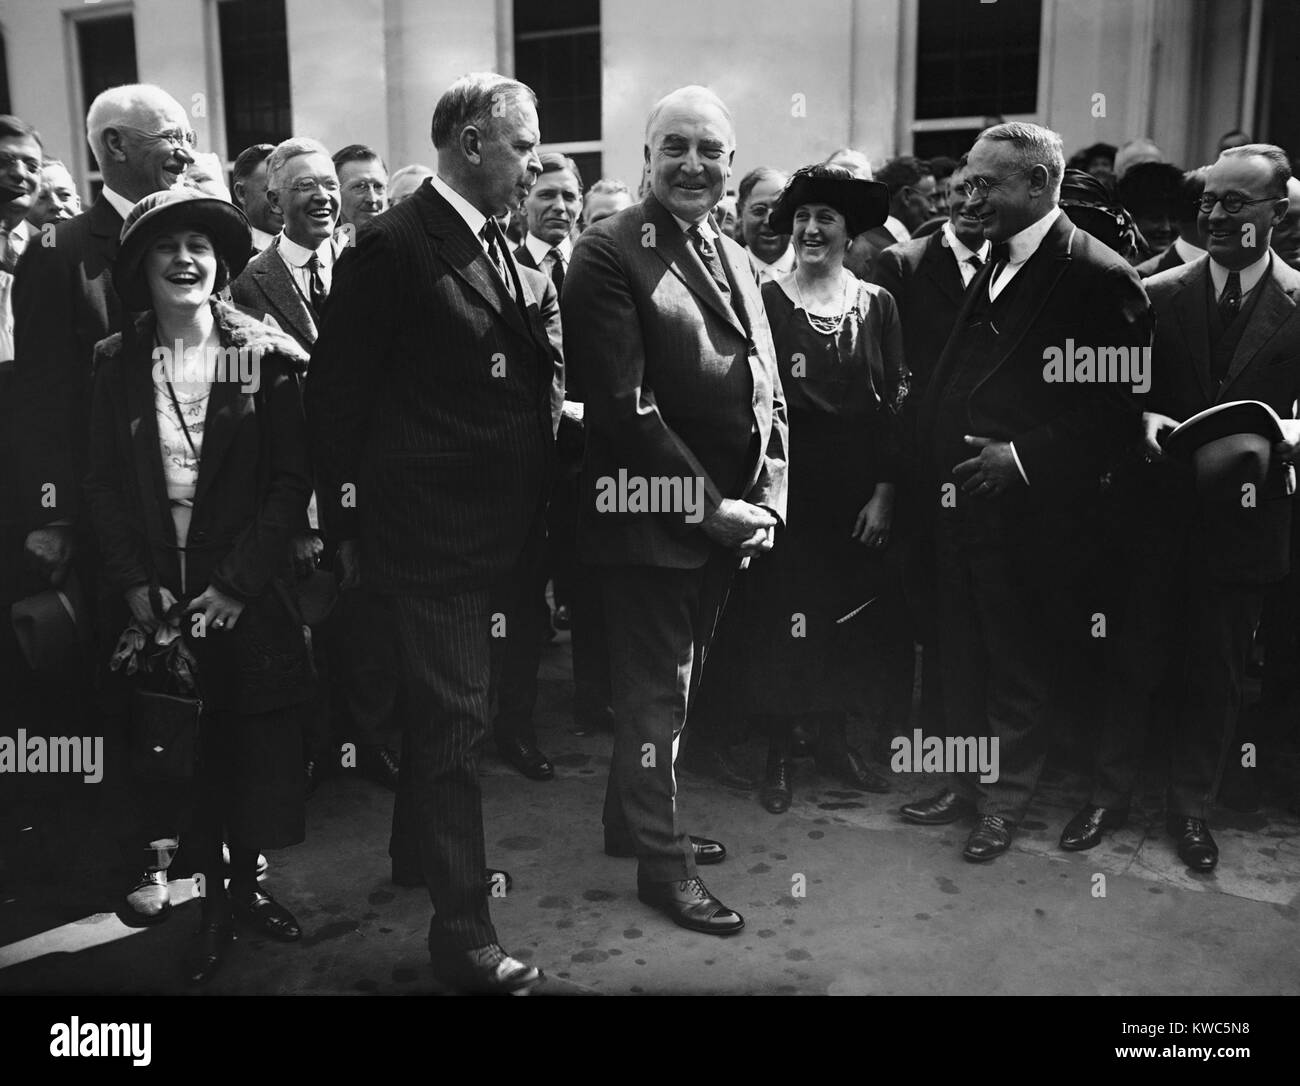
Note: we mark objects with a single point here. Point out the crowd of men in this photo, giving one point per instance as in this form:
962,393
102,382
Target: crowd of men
490,335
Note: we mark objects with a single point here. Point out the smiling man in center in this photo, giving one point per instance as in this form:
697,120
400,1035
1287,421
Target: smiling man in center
665,331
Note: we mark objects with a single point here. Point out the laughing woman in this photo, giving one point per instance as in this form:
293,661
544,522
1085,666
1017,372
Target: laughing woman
199,478
839,347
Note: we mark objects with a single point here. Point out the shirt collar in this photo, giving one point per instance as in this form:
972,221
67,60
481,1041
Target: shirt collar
1024,244
1250,276
897,229
474,218
119,202
705,225
782,265
961,250
1189,252
262,240
540,250
298,255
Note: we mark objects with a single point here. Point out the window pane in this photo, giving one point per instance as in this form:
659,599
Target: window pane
534,15
557,53
106,49
255,72
974,58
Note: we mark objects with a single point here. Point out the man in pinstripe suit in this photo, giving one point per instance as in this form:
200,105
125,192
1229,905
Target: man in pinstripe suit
429,402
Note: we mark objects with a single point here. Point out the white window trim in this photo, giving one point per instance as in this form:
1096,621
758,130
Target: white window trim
907,124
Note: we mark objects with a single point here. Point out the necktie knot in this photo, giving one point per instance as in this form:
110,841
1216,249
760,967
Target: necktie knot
709,256
1001,254
974,261
319,295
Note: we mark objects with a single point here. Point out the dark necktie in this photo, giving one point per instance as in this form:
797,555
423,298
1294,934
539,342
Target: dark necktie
557,269
974,261
1230,300
491,236
709,255
319,296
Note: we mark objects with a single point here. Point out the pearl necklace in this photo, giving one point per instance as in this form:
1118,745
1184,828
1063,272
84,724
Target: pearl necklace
827,326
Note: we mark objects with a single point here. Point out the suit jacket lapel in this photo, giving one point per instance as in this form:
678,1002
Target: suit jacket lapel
106,223
1194,324
1036,281
461,250
1274,308
673,248
281,291
142,418
938,262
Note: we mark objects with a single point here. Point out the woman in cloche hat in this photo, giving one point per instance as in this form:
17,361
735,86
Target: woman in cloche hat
199,478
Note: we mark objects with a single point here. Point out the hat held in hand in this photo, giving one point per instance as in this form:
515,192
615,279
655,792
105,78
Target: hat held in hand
1227,445
51,625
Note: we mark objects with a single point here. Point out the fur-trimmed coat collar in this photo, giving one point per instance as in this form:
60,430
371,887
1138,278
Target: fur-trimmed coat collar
236,327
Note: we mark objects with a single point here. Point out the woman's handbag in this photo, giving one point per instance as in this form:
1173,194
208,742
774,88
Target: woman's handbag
163,727
163,735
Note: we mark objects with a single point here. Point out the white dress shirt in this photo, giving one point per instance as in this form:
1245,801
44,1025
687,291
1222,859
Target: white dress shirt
14,244
262,240
119,203
1189,252
296,256
765,272
1023,245
540,251
962,253
900,232
473,217
1250,276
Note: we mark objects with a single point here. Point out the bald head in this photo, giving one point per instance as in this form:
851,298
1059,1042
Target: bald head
127,128
690,143
691,100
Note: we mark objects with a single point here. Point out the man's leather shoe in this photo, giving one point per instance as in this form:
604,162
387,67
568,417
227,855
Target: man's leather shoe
208,949
848,765
777,793
937,810
1086,828
525,757
493,878
485,970
379,764
562,619
689,904
991,837
260,910
1196,848
149,899
706,851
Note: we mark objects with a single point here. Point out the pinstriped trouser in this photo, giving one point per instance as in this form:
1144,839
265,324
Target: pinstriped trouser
446,663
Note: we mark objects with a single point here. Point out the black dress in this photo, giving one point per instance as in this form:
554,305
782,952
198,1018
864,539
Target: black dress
843,395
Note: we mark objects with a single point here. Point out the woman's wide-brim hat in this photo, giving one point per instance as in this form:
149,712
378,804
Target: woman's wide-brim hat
179,209
863,204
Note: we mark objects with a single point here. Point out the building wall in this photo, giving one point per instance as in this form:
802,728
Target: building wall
801,79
